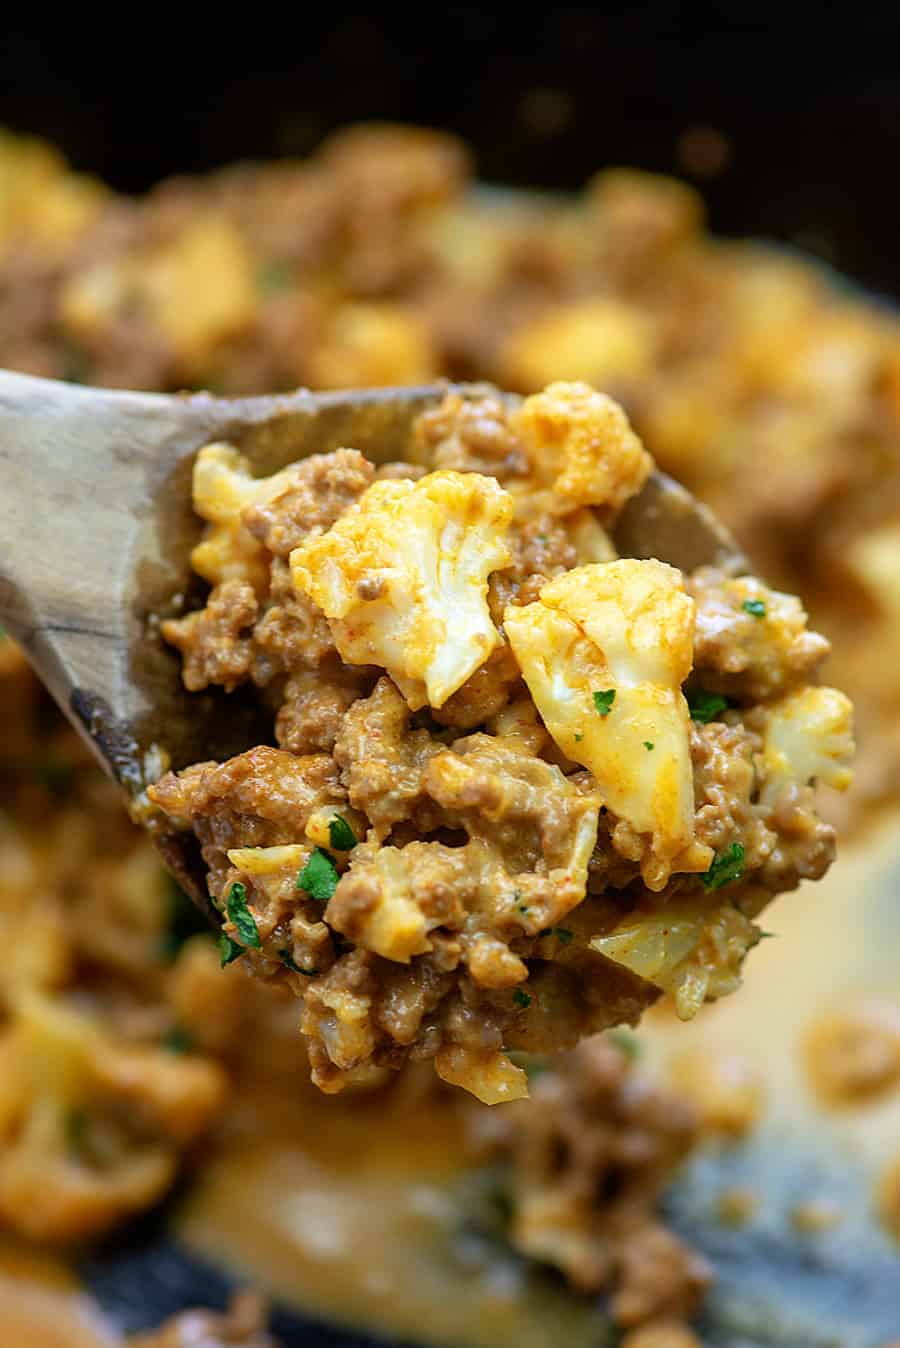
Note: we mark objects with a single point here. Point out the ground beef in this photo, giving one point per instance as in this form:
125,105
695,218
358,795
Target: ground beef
258,799
292,633
471,437
583,1164
383,761
725,786
320,490
216,642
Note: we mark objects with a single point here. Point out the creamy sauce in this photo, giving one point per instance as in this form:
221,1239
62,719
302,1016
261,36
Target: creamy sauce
347,1209
348,1212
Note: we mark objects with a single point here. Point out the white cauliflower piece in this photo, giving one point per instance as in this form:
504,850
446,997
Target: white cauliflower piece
402,578
690,952
808,738
604,652
581,450
223,488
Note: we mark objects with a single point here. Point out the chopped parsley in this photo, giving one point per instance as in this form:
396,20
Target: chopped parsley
184,921
523,907
705,706
229,950
545,931
603,700
178,1040
76,1129
341,835
54,773
563,934
648,745
319,876
272,277
289,962
628,1043
532,1064
521,998
240,915
755,607
726,866
578,736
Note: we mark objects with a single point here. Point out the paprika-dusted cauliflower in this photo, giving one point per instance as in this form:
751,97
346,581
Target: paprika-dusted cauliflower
581,452
402,578
514,769
604,652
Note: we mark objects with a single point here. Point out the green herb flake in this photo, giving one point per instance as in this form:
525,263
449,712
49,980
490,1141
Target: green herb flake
184,920
289,962
705,706
76,1130
319,876
755,607
578,736
240,915
563,934
521,998
523,907
603,700
628,1043
272,277
229,950
178,1040
341,835
727,866
648,745
532,1064
55,774
545,931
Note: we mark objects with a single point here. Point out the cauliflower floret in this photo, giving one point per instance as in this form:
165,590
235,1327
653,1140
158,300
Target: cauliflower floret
402,578
198,291
808,738
90,1127
223,488
601,341
581,449
604,652
372,344
689,951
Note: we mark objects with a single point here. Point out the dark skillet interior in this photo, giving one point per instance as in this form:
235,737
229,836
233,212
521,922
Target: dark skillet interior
809,102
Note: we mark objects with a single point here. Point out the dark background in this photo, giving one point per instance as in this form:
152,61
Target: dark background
808,100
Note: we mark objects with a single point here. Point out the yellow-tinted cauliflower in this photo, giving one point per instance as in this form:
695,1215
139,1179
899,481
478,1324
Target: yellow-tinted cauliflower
402,578
604,652
808,739
581,452
90,1129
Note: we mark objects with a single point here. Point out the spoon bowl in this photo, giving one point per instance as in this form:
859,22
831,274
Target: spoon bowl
96,529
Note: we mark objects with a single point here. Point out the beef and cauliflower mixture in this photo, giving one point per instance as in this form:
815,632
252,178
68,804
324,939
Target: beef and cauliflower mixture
751,375
520,785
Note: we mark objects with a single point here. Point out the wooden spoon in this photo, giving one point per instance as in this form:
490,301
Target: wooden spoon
96,528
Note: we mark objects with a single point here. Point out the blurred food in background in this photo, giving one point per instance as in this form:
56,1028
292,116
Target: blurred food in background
751,373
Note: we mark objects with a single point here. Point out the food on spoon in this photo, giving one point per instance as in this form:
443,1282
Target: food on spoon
521,785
